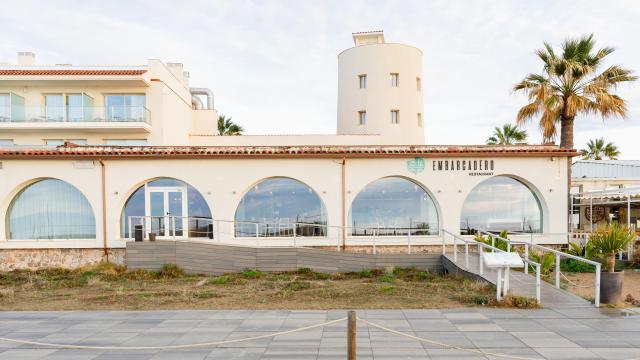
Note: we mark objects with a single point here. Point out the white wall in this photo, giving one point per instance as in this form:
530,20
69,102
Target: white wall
223,182
378,61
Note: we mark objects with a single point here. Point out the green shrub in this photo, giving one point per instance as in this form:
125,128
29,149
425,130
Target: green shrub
364,273
305,271
611,241
547,262
323,276
252,273
498,243
576,266
386,278
480,299
422,275
171,271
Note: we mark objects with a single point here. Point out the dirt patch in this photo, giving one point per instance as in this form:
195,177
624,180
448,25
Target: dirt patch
112,287
582,284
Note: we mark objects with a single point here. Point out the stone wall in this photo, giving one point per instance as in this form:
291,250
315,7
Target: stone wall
13,259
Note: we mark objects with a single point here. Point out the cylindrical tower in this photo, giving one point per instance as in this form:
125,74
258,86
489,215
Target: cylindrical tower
380,90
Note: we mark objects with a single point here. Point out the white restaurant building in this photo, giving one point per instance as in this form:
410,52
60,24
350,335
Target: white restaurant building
93,156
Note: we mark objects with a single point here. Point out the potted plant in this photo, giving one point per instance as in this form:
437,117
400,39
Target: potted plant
609,242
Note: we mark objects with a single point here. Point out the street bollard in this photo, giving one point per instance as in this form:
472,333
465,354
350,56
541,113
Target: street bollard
351,335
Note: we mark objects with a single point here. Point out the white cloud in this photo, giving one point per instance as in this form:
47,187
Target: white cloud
273,66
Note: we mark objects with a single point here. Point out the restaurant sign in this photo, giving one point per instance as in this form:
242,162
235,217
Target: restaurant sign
472,167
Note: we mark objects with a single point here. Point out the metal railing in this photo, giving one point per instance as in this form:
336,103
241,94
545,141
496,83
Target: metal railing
169,227
265,233
480,246
72,114
558,257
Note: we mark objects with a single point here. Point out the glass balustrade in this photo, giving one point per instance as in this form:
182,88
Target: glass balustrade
52,113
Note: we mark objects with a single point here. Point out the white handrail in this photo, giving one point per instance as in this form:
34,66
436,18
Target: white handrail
481,246
558,256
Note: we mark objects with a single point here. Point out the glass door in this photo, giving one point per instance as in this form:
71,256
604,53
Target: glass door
157,215
53,107
166,211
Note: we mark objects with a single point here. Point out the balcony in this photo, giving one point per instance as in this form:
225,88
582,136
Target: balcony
91,118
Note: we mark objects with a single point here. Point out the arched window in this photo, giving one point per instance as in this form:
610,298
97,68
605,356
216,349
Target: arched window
393,206
50,209
167,208
280,207
501,203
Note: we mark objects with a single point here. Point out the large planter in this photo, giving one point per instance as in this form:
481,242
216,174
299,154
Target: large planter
611,287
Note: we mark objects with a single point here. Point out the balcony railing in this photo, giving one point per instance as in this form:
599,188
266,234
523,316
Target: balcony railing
55,114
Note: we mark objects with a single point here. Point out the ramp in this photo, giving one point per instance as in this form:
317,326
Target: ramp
520,283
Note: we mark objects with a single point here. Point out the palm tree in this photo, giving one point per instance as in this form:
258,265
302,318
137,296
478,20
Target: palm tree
569,86
228,127
507,135
598,150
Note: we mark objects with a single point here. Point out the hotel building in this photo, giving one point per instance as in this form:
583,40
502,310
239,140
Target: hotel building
603,191
92,157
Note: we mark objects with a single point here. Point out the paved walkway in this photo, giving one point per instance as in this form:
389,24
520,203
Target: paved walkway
524,285
580,333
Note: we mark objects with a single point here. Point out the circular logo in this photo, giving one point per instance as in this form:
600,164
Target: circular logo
598,214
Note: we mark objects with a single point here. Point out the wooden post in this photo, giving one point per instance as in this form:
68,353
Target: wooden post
351,336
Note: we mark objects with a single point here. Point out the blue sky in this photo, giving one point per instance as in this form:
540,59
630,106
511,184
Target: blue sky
272,64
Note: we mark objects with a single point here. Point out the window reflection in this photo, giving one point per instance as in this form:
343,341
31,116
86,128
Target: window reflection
280,207
501,203
50,209
393,206
198,212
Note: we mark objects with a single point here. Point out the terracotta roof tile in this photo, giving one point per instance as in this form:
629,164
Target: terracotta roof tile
283,151
54,72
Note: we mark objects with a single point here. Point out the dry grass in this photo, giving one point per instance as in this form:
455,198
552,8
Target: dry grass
108,286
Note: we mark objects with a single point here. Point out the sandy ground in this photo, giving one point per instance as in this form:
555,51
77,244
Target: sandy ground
631,284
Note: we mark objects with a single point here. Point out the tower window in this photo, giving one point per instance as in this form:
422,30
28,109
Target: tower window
363,81
395,116
395,79
362,117
419,119
418,84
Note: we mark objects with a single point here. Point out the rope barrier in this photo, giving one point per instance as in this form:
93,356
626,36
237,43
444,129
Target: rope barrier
168,347
574,284
476,351
259,337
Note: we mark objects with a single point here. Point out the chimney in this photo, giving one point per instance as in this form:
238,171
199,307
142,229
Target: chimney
176,70
26,58
368,37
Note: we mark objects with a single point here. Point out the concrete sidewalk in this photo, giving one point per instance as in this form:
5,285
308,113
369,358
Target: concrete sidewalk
581,333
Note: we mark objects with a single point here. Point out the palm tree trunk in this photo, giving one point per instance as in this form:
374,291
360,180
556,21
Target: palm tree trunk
611,262
566,142
566,132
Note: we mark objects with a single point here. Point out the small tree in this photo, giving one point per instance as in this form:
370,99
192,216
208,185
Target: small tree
507,135
597,149
227,127
611,241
